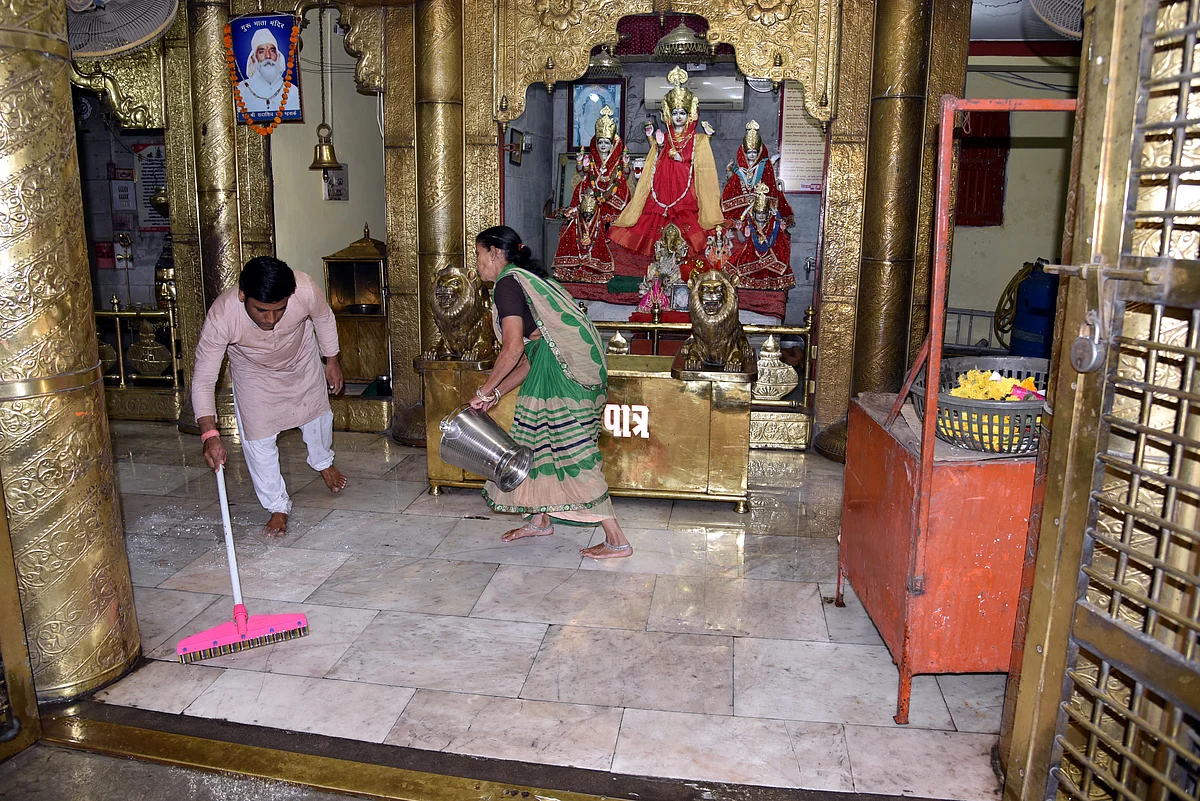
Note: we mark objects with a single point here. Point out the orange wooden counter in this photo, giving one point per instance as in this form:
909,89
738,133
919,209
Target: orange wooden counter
945,599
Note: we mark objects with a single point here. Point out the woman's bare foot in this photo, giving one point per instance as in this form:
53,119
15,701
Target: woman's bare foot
333,479
606,551
276,527
615,546
538,526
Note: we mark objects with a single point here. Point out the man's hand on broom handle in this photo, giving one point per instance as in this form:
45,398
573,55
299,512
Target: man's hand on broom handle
214,448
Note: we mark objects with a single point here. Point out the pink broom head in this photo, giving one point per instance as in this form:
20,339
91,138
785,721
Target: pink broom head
240,634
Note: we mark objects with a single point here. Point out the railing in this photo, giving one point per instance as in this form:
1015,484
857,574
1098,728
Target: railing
132,320
804,332
971,330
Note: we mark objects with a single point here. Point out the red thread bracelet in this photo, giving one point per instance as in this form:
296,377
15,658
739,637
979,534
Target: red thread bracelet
207,435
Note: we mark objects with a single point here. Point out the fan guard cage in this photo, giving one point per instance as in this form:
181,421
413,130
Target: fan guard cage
119,27
1064,16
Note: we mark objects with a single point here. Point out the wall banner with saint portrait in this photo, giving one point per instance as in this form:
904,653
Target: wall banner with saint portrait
265,67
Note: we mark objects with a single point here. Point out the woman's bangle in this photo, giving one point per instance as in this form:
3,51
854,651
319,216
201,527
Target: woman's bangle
491,397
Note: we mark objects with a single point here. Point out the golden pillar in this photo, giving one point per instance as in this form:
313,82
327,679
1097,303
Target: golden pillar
892,192
213,123
56,463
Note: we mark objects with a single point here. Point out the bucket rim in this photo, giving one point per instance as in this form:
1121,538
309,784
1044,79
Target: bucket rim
445,424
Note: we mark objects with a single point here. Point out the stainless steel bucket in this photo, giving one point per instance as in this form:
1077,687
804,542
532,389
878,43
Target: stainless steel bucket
472,440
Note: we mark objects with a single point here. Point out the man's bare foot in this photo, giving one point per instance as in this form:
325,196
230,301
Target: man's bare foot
606,551
276,527
528,530
333,479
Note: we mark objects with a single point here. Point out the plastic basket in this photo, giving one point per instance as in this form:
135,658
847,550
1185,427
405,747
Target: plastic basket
988,426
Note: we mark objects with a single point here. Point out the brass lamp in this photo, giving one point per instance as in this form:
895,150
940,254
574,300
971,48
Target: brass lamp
323,156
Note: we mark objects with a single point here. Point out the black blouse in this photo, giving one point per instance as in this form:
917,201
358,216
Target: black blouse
510,301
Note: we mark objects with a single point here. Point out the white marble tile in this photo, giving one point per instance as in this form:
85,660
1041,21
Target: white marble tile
643,512
378,533
168,516
373,462
928,764
703,515
807,559
361,495
718,748
412,468
822,754
239,486
784,610
162,613
297,703
479,541
509,728
331,630
438,652
656,551
153,560
976,701
155,479
828,682
567,597
436,586
161,686
278,574
643,670
454,502
248,520
849,623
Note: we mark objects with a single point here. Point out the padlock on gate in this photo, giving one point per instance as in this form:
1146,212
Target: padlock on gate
1087,351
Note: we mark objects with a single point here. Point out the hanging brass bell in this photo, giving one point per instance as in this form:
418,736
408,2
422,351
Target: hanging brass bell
160,202
323,156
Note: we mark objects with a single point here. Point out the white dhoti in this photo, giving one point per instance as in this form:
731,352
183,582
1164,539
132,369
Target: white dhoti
262,458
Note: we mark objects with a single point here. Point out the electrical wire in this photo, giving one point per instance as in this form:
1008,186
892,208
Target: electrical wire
1025,82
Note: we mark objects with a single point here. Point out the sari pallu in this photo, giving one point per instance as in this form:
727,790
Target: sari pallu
559,411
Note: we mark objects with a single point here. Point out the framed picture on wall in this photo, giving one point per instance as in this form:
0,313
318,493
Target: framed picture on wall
516,146
585,99
565,180
261,47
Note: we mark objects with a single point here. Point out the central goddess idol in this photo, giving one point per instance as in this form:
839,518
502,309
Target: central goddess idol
679,182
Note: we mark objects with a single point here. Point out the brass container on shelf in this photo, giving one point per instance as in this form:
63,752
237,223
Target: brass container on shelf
148,356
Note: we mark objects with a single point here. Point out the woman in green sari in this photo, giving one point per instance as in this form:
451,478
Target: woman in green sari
550,351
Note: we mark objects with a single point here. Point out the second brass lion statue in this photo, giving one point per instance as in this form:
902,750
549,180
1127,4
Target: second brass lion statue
462,316
717,336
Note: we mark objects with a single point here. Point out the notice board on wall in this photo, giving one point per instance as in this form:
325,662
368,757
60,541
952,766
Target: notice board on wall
151,175
801,145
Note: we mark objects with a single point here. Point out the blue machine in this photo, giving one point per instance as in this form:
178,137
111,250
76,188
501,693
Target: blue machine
1033,317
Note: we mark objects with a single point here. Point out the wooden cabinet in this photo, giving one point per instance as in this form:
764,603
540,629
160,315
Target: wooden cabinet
363,339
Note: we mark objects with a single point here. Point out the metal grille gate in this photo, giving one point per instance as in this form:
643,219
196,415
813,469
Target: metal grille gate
1128,726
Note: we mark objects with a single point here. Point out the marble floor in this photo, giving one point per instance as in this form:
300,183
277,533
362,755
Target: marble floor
713,654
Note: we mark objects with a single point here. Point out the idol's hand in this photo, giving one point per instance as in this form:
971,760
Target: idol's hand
214,452
333,375
649,130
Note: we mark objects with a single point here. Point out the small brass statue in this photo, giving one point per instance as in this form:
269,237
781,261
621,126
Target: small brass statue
462,316
717,336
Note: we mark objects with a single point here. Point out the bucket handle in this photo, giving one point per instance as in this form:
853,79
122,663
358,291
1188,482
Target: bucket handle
446,424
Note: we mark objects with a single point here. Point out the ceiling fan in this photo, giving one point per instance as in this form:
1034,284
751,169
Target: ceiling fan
102,28
1064,16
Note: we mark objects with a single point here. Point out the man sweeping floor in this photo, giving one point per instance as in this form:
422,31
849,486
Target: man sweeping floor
275,326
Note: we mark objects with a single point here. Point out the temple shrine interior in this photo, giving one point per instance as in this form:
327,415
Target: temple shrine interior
751,233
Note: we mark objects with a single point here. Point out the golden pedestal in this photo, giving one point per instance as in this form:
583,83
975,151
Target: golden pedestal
697,428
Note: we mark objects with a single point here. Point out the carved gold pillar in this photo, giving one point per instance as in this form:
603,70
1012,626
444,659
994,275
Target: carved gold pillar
951,34
213,124
841,241
897,124
56,462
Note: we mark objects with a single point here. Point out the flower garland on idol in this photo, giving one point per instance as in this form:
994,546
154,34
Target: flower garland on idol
230,59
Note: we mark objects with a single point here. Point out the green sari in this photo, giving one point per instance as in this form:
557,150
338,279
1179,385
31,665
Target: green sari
559,411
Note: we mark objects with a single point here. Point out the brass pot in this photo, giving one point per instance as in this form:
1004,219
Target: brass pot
147,354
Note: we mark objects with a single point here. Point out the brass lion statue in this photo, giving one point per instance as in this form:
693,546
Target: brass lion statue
717,336
463,319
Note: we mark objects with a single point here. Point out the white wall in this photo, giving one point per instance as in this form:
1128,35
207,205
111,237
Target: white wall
308,228
985,259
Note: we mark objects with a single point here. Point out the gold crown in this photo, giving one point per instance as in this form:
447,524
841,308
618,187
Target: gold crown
679,98
587,201
752,140
762,198
606,124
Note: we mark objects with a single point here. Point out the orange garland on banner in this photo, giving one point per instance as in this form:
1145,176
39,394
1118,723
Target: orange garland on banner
237,92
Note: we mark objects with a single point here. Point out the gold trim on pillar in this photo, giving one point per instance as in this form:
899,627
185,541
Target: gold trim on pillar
841,244
133,85
364,41
55,455
543,42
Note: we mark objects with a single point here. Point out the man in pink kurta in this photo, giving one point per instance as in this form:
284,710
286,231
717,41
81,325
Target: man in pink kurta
274,326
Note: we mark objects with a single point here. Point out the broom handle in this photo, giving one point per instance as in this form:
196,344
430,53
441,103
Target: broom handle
233,569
